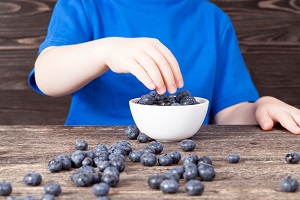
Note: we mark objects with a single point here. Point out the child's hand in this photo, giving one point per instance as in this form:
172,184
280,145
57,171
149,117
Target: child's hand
270,111
148,59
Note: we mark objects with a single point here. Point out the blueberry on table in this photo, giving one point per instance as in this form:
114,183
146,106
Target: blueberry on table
52,188
190,158
190,171
233,158
112,170
81,145
178,170
110,179
5,188
187,145
142,138
157,146
206,172
194,187
135,155
148,159
82,179
100,189
176,156
118,163
65,161
87,161
55,165
77,158
99,148
289,184
132,132
170,175
169,186
102,165
154,181
165,160
32,179
292,158
124,144
204,159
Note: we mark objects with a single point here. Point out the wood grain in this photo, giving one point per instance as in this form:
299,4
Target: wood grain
256,176
268,32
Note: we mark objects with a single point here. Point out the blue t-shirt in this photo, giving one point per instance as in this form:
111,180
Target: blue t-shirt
198,33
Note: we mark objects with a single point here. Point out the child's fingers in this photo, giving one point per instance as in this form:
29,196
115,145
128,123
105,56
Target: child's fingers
288,122
263,119
164,68
173,64
140,73
150,67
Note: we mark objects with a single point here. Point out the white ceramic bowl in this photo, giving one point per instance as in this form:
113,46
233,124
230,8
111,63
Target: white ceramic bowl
169,123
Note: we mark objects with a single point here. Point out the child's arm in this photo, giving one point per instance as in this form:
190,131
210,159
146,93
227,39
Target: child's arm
266,111
62,70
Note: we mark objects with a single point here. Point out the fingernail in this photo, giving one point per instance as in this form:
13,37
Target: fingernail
162,90
180,83
152,86
172,89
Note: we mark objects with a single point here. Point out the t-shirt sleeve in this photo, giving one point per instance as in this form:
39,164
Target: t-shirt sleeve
68,25
233,83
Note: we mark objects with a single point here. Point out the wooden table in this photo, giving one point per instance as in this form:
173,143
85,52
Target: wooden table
256,176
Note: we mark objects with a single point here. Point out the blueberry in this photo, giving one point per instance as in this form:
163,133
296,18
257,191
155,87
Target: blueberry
233,158
165,160
99,148
65,161
142,138
112,170
5,188
116,156
98,160
157,146
204,159
110,179
170,175
135,155
148,159
100,189
182,94
176,156
190,158
82,179
90,154
154,181
132,132
190,171
149,150
55,165
81,145
194,187
116,149
178,170
169,186
101,155
118,163
77,158
102,165
87,161
52,188
289,184
206,172
160,97
187,100
187,145
175,104
48,197
147,99
124,144
292,158
33,179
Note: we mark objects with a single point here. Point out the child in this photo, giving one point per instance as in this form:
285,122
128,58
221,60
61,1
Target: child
105,53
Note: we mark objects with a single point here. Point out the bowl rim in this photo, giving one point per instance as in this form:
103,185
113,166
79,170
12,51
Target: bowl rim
203,101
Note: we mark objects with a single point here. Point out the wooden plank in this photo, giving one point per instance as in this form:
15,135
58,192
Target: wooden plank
256,176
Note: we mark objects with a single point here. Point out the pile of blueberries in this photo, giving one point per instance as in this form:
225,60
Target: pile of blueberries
100,168
182,98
